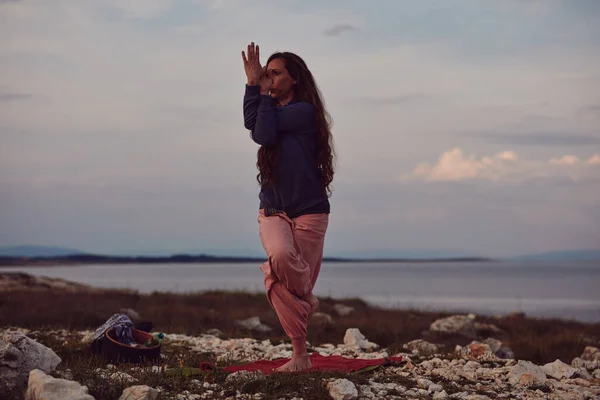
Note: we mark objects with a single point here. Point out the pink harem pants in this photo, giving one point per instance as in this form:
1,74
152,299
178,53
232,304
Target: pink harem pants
294,250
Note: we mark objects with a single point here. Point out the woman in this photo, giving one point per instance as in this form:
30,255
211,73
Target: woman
286,116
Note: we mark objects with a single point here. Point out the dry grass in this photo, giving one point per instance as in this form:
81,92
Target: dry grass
536,340
82,367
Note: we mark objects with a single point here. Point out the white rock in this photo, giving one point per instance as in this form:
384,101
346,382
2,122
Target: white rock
253,324
421,347
424,383
365,392
438,361
342,309
323,317
244,376
45,387
559,370
472,365
579,362
525,367
139,392
440,395
376,386
459,395
459,324
494,344
342,389
434,388
20,355
476,397
591,354
596,374
122,377
354,337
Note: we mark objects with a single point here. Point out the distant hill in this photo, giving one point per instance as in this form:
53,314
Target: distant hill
38,251
53,251
403,254
563,255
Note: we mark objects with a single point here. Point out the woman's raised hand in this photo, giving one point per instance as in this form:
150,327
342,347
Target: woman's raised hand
252,66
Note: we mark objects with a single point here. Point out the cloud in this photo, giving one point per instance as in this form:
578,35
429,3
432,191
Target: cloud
569,160
454,165
539,139
5,97
594,160
339,29
565,160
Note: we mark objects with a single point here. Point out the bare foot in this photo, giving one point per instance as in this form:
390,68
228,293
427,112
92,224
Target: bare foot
313,301
296,364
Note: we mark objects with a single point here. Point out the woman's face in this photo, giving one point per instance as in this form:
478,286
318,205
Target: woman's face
282,85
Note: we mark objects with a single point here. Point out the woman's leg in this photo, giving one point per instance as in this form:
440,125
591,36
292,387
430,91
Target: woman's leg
284,262
309,234
289,276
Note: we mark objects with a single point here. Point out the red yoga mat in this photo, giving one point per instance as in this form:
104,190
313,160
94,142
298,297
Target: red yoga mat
319,363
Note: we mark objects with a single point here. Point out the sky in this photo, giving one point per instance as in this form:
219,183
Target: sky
464,126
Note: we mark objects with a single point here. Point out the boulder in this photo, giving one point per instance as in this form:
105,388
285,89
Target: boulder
322,318
19,356
499,349
591,365
505,353
526,373
342,309
45,387
421,347
440,395
139,392
494,344
253,324
342,389
590,353
354,337
559,370
457,324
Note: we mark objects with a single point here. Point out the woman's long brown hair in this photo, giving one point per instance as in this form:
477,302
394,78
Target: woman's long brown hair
306,90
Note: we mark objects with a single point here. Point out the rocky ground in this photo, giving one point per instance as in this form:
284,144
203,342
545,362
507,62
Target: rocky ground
444,356
473,372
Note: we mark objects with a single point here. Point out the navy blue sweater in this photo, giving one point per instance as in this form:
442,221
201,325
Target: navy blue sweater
298,187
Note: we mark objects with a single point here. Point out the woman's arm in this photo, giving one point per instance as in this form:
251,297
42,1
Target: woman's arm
264,119
251,102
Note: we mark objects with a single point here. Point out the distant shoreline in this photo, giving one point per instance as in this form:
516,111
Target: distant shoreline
78,259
